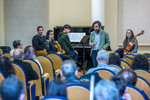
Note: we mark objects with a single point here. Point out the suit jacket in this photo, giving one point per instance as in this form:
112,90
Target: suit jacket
30,73
104,39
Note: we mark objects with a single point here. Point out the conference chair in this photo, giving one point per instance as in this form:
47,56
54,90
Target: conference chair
7,55
11,58
142,84
128,60
124,64
54,98
143,73
136,94
29,89
130,55
2,76
116,66
105,73
47,66
78,92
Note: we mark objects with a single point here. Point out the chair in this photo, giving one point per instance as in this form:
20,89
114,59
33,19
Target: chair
128,60
116,66
56,59
2,76
11,58
7,55
135,93
6,49
105,73
130,55
124,64
142,84
144,74
54,98
47,66
20,73
78,92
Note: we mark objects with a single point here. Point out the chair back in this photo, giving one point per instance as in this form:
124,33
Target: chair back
105,73
7,55
128,60
11,58
135,93
116,66
130,55
142,84
2,76
47,66
56,59
38,83
144,74
54,98
78,92
20,73
124,64
6,49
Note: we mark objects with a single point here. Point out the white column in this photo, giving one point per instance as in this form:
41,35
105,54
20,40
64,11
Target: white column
98,10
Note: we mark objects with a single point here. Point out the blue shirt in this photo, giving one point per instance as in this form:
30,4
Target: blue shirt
97,39
103,66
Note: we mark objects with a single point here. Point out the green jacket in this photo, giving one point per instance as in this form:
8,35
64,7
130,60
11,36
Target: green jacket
64,41
104,39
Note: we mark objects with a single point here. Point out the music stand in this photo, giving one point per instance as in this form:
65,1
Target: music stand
83,41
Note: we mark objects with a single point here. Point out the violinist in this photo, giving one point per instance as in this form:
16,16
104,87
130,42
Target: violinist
129,37
50,43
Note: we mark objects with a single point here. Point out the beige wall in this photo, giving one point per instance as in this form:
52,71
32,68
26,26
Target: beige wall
73,12
2,23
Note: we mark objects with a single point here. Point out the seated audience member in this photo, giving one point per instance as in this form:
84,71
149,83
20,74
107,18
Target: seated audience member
106,90
141,62
121,86
120,52
102,59
6,66
12,88
30,73
57,88
17,45
69,72
29,53
114,58
129,76
38,41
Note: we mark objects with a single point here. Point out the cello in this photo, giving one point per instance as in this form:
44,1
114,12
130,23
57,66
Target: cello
129,47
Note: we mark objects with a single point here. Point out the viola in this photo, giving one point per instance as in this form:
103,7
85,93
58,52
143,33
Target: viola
129,47
59,49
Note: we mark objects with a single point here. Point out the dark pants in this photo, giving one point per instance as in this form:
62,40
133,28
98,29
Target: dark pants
94,55
74,54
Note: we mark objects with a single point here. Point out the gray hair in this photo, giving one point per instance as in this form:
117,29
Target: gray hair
18,54
68,68
106,90
102,56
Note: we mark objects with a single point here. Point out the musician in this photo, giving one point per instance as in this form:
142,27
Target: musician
99,39
64,41
38,41
128,38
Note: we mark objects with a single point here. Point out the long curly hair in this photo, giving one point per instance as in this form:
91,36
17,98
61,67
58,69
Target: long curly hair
132,36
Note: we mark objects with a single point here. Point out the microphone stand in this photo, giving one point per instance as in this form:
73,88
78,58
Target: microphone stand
83,58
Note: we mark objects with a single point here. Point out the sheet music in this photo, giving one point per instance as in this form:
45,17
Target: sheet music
76,37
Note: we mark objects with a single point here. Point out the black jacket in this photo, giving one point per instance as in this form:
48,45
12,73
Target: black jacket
30,73
39,42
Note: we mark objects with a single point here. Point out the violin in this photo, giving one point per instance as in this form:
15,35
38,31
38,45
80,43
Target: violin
129,47
59,49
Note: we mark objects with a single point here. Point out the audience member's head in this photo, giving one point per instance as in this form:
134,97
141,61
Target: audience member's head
29,52
67,28
102,56
17,44
68,68
18,54
106,90
40,30
141,62
114,58
6,66
48,34
120,52
12,88
129,76
120,84
57,88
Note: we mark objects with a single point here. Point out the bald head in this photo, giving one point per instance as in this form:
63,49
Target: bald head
18,54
